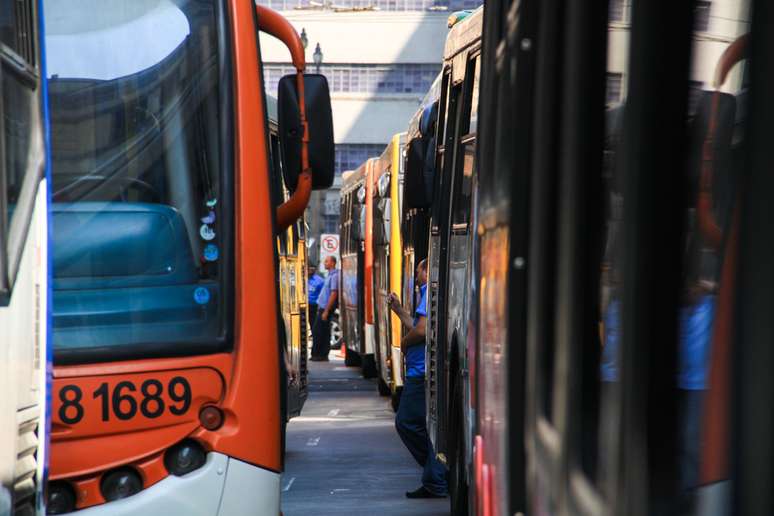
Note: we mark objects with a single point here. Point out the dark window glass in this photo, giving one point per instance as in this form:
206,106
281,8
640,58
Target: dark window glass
139,211
461,213
17,28
18,104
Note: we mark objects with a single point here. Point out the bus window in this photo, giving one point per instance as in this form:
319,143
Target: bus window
474,97
141,214
467,140
17,19
18,101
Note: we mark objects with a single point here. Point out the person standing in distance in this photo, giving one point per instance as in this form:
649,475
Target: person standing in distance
314,287
326,305
410,419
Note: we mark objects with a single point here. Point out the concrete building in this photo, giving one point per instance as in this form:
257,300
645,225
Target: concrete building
380,58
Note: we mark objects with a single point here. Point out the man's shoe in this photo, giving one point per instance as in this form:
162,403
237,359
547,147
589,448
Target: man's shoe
422,492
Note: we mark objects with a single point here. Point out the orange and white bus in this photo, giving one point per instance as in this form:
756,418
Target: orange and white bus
169,373
357,310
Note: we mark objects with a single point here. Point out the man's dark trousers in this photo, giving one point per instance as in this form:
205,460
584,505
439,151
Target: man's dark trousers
321,336
411,426
312,314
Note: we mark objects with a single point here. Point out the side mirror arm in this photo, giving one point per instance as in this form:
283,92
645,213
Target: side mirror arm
272,23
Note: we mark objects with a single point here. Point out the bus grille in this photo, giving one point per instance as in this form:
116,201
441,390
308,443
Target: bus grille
25,472
432,353
302,365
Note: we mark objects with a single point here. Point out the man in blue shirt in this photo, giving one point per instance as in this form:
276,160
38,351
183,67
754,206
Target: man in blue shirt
410,419
326,305
313,289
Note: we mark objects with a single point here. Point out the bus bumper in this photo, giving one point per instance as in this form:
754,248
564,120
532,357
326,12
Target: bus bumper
222,487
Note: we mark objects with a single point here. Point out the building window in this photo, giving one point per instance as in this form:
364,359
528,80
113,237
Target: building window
365,78
702,15
349,156
382,5
614,83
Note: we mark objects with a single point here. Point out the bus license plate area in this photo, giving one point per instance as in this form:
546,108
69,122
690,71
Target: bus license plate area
83,406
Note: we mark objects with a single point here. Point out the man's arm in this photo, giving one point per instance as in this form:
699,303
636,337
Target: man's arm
331,303
402,313
415,336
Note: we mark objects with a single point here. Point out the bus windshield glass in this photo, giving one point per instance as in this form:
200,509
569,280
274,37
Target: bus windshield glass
141,216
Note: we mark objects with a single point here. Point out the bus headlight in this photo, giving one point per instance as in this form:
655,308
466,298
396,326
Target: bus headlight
61,498
184,458
120,483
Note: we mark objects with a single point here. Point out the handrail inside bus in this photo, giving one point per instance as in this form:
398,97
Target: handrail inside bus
272,23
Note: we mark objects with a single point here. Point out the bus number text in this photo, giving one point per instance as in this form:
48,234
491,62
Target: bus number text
123,404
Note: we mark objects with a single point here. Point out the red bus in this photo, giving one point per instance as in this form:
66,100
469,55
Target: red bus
169,374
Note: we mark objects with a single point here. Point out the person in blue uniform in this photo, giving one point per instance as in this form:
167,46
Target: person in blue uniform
410,419
313,289
326,305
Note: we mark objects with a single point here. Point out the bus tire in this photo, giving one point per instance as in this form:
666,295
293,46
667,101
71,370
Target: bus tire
369,366
383,388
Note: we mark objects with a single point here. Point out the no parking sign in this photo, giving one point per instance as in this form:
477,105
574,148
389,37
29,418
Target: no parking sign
329,246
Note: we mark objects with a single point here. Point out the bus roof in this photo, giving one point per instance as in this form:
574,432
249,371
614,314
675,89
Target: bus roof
384,162
464,34
356,178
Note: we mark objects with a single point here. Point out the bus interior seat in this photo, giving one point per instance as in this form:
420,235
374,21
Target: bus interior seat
117,264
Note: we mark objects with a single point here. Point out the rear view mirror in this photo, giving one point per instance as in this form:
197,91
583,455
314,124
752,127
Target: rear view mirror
317,100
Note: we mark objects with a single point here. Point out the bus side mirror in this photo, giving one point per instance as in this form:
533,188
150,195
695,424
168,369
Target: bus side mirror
320,121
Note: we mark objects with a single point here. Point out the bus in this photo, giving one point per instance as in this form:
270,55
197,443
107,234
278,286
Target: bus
24,285
292,263
449,419
169,369
356,308
623,205
388,258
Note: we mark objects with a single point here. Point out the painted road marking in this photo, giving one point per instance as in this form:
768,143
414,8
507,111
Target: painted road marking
287,487
314,441
333,413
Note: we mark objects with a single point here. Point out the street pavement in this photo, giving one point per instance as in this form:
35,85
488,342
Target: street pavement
344,457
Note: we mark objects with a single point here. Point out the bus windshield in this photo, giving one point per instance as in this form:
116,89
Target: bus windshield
140,216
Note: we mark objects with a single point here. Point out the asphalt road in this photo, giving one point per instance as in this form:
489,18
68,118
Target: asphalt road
343,455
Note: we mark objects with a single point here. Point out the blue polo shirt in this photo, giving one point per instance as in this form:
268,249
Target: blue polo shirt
415,355
331,284
696,343
314,287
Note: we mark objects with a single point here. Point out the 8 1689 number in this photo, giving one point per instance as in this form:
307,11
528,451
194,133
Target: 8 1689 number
123,404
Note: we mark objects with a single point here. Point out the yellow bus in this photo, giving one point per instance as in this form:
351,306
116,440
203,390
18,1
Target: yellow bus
291,262
387,265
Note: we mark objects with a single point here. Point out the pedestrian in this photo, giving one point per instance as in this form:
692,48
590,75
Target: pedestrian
410,419
314,286
326,304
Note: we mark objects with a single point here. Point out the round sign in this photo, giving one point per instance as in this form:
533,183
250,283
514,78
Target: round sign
330,244
202,295
206,232
211,252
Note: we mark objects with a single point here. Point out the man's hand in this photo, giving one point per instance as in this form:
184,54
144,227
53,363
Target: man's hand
394,303
325,315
